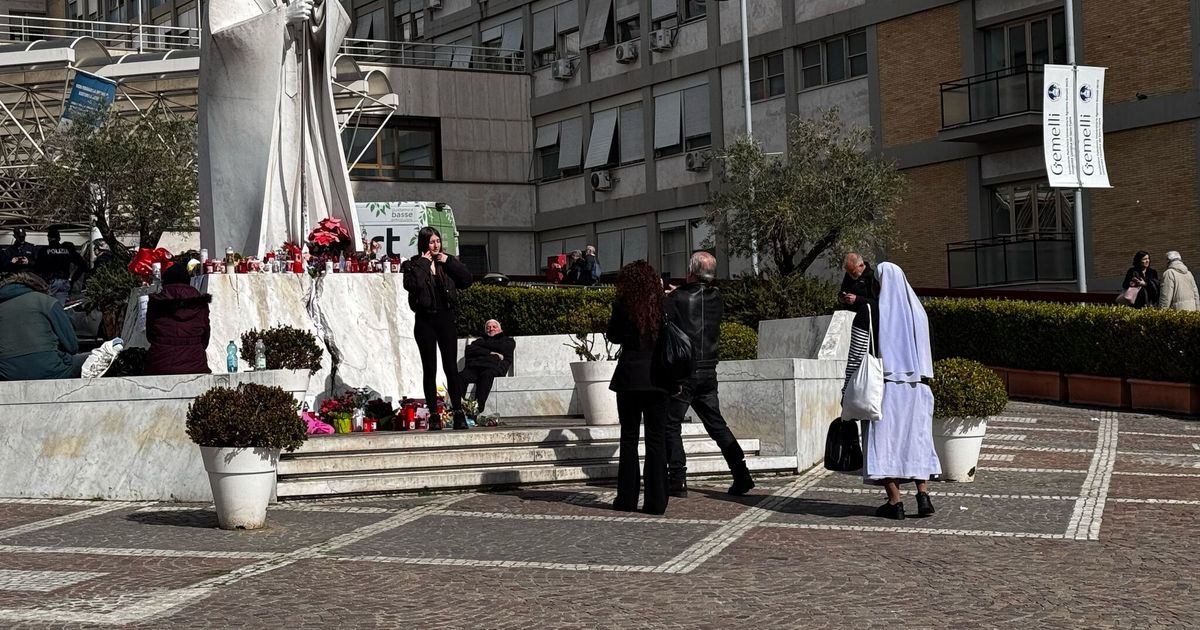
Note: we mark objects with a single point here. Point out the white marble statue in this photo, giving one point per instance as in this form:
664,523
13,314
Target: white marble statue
266,99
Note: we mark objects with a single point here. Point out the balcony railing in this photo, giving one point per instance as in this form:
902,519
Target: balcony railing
1007,260
991,95
388,53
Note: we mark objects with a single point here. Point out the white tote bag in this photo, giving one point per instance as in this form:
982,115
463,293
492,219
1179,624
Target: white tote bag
863,399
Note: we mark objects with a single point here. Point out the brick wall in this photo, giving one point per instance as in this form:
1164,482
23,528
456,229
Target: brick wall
1152,205
933,213
1146,51
917,53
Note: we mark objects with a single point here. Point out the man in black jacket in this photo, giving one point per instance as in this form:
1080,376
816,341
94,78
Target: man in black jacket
485,359
860,290
696,308
54,262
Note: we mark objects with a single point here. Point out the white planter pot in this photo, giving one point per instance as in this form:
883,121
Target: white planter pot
957,441
599,404
242,480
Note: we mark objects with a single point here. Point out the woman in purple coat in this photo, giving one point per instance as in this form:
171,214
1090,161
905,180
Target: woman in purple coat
177,326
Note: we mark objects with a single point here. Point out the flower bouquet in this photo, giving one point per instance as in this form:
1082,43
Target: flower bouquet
143,261
330,238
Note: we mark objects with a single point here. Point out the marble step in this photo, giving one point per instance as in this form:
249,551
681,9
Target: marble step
448,439
381,460
417,480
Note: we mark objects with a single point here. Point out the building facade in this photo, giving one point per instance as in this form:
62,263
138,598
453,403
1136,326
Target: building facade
602,131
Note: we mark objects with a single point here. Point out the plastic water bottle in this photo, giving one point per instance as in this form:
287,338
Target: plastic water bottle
231,357
260,355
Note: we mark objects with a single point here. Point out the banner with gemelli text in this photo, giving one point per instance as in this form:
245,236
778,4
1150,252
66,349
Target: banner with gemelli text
1073,127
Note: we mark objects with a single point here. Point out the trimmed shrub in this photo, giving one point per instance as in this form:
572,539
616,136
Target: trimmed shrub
749,299
287,348
966,389
1097,340
251,416
523,311
737,342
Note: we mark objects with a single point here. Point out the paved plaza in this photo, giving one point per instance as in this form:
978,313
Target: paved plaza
1079,518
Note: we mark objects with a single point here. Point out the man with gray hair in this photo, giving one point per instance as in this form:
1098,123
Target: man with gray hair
1178,290
696,308
484,360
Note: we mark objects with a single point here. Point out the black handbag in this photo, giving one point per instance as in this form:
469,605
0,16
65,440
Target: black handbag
673,361
843,450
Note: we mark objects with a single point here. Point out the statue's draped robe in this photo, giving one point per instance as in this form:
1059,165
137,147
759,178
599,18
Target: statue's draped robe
259,109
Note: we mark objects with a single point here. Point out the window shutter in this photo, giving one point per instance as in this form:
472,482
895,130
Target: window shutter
547,136
626,9
543,30
513,34
666,120
695,111
568,16
604,125
570,144
632,141
660,9
598,14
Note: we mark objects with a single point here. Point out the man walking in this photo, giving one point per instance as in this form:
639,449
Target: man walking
54,263
1178,290
485,359
696,308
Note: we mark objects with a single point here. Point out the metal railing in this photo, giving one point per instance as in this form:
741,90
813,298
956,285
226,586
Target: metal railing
992,95
1013,259
426,54
112,35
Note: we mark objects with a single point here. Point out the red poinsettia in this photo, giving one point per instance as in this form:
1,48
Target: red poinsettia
329,236
143,262
291,248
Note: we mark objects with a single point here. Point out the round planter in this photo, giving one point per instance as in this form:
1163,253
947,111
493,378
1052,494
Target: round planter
598,403
242,481
957,441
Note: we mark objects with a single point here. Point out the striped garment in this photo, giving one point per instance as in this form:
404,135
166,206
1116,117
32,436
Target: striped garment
860,342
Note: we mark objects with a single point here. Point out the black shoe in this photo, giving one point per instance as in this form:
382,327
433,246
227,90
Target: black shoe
894,512
924,505
742,481
460,421
435,424
622,506
677,483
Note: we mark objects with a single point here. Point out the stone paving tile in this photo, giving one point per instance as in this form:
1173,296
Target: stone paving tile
987,481
1180,488
1037,459
1159,443
14,514
393,503
1001,515
537,501
195,529
1160,463
590,542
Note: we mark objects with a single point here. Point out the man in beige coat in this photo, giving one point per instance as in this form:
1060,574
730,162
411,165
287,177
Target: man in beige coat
1178,286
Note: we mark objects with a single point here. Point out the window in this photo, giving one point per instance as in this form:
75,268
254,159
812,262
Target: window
501,47
618,248
559,149
1030,42
616,137
1030,207
835,59
681,121
372,26
406,149
677,243
671,13
766,77
410,27
694,9
629,30
556,33
189,19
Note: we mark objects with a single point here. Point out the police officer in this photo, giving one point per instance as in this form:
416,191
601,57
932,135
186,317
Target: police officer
54,263
19,256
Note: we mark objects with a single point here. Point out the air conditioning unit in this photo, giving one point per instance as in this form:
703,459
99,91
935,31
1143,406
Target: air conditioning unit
435,4
627,52
697,160
602,180
563,70
662,39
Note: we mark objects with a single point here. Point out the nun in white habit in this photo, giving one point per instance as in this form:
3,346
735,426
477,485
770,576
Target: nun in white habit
899,447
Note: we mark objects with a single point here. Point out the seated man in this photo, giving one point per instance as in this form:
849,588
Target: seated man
37,340
485,359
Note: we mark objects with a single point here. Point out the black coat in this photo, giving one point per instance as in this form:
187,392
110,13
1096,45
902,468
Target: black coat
478,354
1149,293
633,372
697,309
423,290
865,288
177,328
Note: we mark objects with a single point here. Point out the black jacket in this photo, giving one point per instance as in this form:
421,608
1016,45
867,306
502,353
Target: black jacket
579,273
478,354
865,288
1149,293
633,372
422,289
696,308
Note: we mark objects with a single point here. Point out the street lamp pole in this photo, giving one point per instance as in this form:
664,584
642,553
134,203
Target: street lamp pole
1080,269
749,118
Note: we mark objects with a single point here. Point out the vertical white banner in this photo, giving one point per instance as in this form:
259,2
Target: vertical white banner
1089,127
1058,126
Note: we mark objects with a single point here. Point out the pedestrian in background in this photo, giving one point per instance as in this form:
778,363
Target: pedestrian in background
593,263
860,295
1179,290
697,309
20,256
54,263
1144,278
177,324
637,317
578,273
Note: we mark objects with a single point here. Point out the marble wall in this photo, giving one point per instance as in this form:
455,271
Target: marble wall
110,438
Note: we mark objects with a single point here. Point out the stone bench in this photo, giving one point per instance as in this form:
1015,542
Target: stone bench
539,382
111,438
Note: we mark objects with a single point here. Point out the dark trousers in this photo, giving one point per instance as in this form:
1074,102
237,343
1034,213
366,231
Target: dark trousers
699,393
634,408
482,377
434,331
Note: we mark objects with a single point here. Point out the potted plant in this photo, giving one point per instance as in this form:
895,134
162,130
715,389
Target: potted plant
965,394
287,348
240,433
594,370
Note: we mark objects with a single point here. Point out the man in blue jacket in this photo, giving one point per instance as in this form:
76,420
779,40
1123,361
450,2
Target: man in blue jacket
36,341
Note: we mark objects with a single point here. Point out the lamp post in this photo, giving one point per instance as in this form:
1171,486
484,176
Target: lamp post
1080,270
749,118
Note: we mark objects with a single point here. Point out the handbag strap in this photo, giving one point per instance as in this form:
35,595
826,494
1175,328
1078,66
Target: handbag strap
870,332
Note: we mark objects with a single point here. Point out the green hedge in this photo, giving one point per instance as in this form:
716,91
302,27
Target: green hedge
737,342
1073,339
523,311
750,299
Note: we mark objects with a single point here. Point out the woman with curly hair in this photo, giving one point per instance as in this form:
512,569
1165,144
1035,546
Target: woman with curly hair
637,316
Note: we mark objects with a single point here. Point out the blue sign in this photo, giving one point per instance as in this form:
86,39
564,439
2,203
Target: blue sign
90,97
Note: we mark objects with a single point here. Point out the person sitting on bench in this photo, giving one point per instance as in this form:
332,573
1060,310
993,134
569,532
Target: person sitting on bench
485,359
